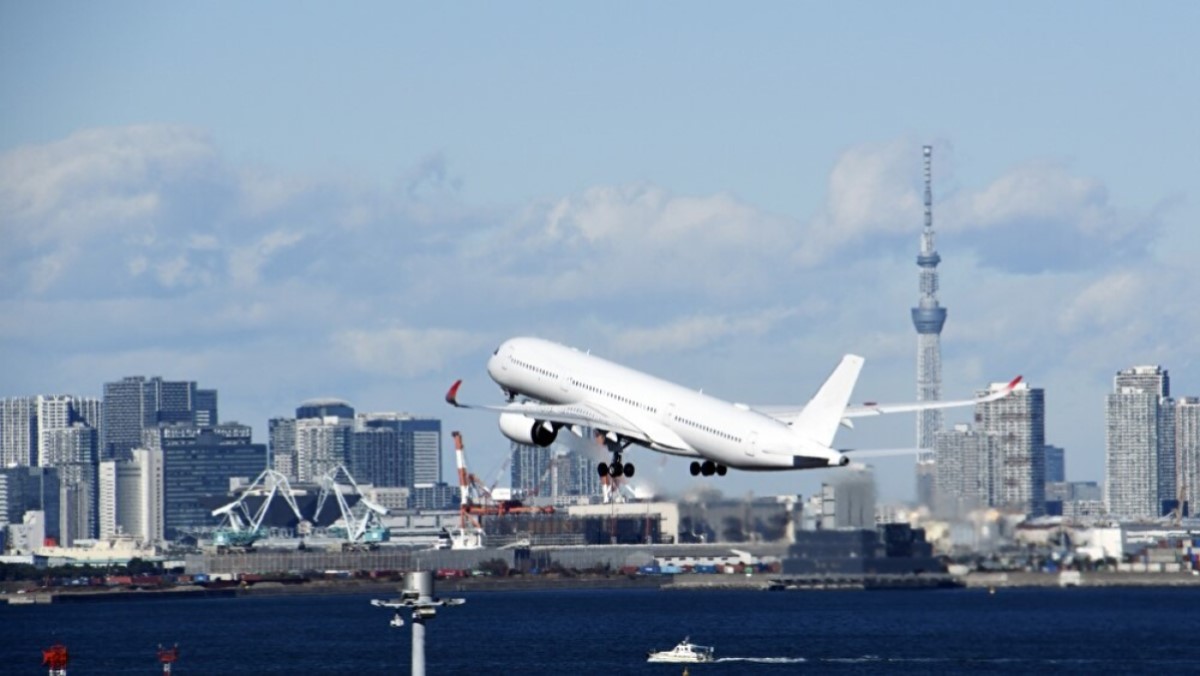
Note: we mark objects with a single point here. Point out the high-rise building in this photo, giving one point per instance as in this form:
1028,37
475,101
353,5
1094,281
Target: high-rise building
1187,451
529,467
383,449
848,499
131,496
135,403
322,444
964,471
556,471
73,450
1074,499
316,441
1140,444
577,474
53,413
375,458
281,440
397,465
66,438
1056,464
26,489
425,437
928,318
1018,422
18,432
325,408
205,414
199,462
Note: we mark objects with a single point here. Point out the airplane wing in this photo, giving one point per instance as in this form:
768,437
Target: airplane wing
646,432
786,413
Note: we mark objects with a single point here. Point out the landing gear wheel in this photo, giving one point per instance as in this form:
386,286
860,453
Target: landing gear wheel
602,469
695,468
616,469
628,469
708,467
721,470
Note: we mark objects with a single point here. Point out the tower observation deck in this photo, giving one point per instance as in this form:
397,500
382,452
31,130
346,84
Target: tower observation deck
928,318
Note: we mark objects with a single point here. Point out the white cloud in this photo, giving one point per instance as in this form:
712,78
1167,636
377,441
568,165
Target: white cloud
1106,303
405,352
870,192
93,181
1041,217
245,262
691,332
287,286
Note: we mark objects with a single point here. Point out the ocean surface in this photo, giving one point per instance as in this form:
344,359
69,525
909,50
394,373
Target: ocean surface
1068,631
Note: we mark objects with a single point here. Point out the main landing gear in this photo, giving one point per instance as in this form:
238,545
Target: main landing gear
616,468
708,468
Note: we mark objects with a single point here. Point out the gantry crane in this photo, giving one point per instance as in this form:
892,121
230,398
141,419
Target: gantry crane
360,524
241,525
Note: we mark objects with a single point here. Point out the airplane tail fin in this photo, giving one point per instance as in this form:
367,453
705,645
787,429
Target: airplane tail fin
821,416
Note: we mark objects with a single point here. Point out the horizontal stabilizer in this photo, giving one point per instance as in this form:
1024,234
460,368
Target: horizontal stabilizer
857,453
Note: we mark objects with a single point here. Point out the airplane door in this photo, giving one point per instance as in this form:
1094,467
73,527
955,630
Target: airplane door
751,447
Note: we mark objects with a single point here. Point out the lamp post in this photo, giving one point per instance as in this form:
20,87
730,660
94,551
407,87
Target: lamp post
418,596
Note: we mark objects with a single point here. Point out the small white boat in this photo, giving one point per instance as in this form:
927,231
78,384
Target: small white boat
686,651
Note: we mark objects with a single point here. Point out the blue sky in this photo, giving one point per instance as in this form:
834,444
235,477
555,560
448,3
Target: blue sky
287,200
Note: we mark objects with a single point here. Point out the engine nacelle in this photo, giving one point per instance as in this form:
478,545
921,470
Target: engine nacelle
525,430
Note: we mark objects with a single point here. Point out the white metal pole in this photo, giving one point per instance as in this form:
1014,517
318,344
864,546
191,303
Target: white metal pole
418,647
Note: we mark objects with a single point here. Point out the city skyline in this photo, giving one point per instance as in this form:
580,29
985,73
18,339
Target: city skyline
68,413
363,202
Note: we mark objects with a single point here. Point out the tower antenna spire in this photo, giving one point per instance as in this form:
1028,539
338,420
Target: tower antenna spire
928,318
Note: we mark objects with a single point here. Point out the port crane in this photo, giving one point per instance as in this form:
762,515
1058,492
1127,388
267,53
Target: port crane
469,534
360,524
241,524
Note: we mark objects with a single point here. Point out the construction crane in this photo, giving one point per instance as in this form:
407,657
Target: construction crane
242,525
499,473
469,534
475,500
357,528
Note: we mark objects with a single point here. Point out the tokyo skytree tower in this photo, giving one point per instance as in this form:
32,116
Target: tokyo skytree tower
928,317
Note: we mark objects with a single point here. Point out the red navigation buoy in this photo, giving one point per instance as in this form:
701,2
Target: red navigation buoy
55,657
168,656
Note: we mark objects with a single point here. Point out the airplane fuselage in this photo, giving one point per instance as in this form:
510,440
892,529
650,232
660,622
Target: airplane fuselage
676,419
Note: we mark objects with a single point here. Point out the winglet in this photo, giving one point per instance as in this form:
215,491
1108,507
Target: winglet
452,393
1002,392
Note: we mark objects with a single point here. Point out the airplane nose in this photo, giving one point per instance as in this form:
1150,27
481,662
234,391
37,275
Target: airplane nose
493,363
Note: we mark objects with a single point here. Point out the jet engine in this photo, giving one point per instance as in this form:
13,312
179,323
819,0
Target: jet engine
525,430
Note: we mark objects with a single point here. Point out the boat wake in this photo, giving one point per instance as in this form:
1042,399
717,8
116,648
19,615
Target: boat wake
763,660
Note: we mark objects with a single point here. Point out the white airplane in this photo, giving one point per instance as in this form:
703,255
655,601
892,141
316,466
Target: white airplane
570,389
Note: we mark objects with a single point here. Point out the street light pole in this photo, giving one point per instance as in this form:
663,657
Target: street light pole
417,595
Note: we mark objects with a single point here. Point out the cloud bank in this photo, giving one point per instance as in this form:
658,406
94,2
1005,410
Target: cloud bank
146,245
